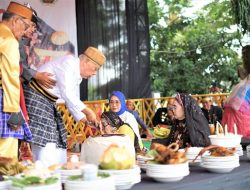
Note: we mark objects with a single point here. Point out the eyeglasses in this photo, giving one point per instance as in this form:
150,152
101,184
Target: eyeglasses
171,108
26,26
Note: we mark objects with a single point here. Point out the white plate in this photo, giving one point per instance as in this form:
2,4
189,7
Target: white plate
106,183
240,152
170,170
221,164
225,141
162,178
70,172
5,184
195,163
124,186
219,170
144,158
125,179
67,173
162,167
168,174
192,150
170,179
134,170
56,186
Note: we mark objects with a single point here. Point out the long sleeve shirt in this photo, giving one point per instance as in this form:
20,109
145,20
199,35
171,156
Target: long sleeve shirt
9,69
28,72
66,71
138,119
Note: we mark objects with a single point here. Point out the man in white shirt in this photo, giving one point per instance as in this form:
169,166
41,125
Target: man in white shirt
46,124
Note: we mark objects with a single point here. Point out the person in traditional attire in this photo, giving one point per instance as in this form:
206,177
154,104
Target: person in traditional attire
47,127
190,127
13,125
28,74
117,104
237,106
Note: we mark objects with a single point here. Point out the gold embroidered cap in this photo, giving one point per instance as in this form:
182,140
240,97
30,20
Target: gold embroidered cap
20,10
95,55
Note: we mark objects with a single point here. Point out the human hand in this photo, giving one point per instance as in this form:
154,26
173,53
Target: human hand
108,129
90,115
90,124
102,130
149,135
44,78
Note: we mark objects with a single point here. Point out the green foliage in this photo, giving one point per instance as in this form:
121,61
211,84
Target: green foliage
188,54
241,12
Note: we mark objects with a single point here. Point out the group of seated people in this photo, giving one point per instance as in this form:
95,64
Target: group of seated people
29,113
164,115
187,120
189,126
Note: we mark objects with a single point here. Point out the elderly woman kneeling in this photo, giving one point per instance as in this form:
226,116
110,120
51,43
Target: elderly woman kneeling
190,127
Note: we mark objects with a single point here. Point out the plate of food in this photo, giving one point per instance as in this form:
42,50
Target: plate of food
35,183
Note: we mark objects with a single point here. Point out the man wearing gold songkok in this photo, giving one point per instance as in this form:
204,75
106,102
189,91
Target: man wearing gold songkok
15,20
46,124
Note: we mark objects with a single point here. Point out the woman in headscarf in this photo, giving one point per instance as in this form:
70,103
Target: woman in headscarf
117,104
113,124
190,127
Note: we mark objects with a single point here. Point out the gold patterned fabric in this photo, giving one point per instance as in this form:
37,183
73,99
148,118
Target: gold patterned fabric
9,69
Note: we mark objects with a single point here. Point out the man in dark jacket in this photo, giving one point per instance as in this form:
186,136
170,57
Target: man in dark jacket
211,112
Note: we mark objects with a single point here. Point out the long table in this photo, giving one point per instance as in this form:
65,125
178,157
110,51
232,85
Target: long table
200,179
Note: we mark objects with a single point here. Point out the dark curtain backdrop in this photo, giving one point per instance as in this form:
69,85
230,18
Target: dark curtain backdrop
119,28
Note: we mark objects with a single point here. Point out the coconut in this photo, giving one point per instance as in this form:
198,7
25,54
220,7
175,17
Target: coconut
116,158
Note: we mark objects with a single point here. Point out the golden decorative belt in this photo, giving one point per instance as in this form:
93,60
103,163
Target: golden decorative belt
38,88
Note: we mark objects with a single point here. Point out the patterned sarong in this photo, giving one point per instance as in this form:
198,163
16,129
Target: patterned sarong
46,122
22,133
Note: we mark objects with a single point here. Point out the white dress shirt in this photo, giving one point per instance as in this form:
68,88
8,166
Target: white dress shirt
66,71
